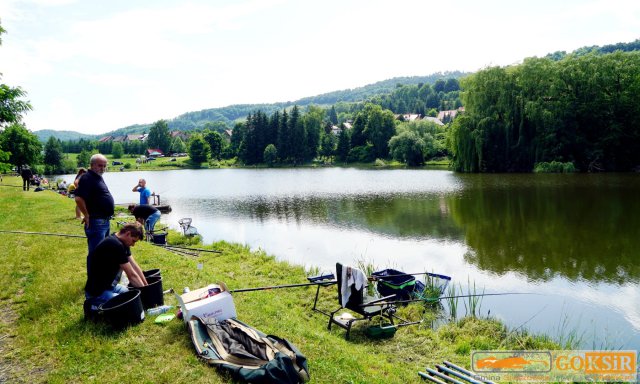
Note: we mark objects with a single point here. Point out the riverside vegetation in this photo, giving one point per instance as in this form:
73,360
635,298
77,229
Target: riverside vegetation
45,338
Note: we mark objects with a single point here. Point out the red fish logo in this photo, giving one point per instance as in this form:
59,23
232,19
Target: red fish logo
511,362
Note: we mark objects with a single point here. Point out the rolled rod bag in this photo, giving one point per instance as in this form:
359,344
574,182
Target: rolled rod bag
246,353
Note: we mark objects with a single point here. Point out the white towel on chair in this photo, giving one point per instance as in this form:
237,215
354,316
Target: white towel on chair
351,277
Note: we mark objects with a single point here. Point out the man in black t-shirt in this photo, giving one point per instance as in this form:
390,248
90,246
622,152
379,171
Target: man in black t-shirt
95,201
26,177
106,263
145,214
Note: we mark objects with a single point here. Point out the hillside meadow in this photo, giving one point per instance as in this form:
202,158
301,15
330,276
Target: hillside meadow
44,337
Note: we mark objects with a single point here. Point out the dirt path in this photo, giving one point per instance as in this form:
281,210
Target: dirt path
12,369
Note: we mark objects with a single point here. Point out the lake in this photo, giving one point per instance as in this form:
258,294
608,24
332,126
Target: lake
570,242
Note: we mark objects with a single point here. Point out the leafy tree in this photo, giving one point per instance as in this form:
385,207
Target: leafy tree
407,147
198,149
236,138
270,154
215,142
83,158
451,85
358,137
313,126
328,145
379,127
178,146
4,162
159,136
68,165
361,154
11,107
53,155
23,147
582,109
117,151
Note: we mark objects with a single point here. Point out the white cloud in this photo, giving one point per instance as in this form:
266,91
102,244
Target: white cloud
171,58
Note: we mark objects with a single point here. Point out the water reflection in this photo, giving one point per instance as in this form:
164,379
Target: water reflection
543,226
418,217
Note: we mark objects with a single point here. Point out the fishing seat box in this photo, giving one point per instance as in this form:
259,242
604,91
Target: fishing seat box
199,303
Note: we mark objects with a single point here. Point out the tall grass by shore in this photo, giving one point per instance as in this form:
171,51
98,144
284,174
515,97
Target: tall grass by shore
44,338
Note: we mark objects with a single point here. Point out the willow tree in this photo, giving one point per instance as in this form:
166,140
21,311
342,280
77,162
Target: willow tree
583,110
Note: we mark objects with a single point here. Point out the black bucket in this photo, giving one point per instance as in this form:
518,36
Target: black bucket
160,238
152,273
151,295
123,310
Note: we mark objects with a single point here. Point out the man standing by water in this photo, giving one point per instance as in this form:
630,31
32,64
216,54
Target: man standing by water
145,193
95,202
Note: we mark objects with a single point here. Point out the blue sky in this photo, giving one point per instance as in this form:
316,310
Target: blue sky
94,66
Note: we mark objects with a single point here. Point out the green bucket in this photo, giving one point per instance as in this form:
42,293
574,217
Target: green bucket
382,331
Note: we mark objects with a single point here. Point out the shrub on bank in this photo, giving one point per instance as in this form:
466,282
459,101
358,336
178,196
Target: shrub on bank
554,167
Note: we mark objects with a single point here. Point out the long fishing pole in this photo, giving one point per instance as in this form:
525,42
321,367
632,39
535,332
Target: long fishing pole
323,283
175,250
461,296
193,249
42,233
380,277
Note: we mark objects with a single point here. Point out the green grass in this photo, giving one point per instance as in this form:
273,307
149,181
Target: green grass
44,338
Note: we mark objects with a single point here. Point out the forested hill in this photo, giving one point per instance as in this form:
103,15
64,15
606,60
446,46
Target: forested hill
609,48
227,115
44,134
379,88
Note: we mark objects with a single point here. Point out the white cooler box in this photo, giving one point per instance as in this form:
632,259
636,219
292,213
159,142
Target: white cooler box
198,303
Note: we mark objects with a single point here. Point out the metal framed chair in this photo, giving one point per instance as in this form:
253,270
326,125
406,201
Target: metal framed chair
359,302
187,228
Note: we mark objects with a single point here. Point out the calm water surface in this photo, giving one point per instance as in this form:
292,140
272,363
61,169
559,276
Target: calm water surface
571,239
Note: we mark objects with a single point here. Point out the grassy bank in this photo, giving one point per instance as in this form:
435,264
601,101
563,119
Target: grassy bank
168,163
43,337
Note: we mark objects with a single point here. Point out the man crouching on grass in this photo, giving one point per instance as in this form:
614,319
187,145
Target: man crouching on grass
106,263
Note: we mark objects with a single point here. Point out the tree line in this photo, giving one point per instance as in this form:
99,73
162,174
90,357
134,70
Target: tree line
581,110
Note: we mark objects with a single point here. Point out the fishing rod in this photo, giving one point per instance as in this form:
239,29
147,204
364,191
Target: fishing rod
42,233
323,283
193,249
379,277
461,296
179,251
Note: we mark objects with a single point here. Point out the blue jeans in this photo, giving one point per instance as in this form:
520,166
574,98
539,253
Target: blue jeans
151,221
98,230
105,296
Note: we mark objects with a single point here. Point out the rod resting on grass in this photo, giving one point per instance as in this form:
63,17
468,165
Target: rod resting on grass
43,233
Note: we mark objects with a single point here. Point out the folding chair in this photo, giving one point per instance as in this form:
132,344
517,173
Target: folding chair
362,304
187,228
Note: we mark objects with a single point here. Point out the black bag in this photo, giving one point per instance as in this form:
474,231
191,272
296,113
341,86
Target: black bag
248,354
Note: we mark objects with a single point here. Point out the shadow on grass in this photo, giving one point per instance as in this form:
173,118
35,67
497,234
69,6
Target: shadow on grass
93,328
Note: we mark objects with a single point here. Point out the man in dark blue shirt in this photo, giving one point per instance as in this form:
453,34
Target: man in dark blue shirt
95,201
